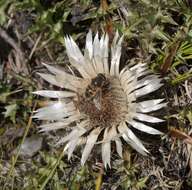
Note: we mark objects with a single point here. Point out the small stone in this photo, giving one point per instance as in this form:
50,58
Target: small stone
31,146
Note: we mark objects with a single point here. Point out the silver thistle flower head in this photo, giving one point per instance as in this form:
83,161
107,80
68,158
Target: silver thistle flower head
99,101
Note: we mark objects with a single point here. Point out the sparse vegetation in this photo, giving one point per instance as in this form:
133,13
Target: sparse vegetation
158,32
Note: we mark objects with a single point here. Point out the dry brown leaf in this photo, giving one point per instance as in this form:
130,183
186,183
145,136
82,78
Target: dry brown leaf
180,135
104,5
170,57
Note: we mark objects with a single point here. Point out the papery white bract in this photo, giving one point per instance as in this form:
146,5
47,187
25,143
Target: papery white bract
118,108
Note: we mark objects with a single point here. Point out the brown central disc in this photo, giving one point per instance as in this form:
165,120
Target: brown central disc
107,107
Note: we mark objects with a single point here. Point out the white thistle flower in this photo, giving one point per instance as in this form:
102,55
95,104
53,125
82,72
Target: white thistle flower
99,102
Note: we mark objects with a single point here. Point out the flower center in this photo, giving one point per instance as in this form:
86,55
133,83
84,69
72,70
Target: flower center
104,102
